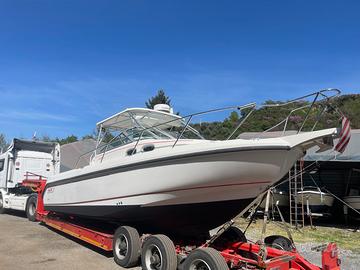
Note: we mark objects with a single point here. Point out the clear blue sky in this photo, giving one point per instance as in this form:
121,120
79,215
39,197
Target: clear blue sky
64,65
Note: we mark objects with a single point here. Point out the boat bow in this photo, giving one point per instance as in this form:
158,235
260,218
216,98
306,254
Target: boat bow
324,139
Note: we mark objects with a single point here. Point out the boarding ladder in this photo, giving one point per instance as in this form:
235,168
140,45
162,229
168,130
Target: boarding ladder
296,201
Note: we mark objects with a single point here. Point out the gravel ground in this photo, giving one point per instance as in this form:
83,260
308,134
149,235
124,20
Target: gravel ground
349,259
28,245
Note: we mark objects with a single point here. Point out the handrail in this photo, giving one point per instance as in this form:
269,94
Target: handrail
324,94
242,122
182,131
250,105
310,106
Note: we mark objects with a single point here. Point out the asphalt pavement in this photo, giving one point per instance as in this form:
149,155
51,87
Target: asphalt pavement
30,245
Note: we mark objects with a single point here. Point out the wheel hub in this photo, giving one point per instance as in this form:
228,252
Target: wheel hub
32,209
155,259
121,247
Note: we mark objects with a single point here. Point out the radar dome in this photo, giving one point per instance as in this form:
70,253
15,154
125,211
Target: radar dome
163,108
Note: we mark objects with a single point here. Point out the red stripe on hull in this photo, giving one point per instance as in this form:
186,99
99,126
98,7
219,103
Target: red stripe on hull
162,191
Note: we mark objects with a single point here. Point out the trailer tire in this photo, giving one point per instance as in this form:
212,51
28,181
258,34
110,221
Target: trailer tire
126,246
158,253
205,258
279,242
2,209
31,208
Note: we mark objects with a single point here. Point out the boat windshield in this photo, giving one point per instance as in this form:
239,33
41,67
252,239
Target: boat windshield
115,139
134,125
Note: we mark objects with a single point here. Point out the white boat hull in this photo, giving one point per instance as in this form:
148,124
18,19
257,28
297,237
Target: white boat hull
188,189
280,199
197,183
353,201
318,202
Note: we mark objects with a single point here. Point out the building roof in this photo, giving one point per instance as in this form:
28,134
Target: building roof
19,144
71,152
351,153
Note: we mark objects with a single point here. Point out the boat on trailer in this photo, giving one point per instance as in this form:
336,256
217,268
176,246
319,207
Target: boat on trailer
153,171
227,249
316,201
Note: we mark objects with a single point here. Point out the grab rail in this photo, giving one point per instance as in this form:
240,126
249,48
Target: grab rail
319,96
190,116
316,95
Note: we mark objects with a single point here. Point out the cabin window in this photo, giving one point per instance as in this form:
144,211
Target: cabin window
148,147
2,162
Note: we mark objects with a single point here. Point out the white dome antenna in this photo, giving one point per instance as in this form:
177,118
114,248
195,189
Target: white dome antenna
163,108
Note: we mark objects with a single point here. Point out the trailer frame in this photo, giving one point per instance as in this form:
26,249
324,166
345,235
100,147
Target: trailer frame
238,255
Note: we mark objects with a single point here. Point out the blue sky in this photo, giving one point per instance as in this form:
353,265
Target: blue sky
64,65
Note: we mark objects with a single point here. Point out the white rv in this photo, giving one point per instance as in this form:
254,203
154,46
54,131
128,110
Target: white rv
21,158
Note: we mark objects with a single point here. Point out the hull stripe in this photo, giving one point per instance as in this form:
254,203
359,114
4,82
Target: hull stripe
151,193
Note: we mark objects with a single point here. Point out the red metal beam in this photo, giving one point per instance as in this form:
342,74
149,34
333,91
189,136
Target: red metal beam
99,239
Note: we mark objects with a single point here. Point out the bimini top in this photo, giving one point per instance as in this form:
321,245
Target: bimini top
145,118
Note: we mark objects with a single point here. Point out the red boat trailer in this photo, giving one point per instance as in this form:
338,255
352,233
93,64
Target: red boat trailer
238,255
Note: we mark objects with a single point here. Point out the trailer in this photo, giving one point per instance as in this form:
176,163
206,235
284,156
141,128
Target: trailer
228,249
33,158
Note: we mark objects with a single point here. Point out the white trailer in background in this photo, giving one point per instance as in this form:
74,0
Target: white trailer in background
21,158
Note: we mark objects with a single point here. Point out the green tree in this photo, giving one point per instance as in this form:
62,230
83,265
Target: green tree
264,118
159,98
87,137
234,117
92,135
45,138
68,139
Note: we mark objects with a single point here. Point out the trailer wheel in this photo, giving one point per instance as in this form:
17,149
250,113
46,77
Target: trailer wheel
31,208
158,253
279,242
126,246
2,209
205,259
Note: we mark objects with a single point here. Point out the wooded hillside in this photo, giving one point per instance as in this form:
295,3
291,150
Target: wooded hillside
264,118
